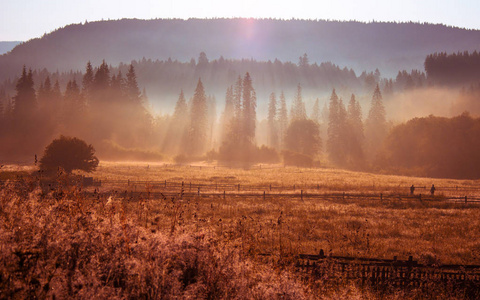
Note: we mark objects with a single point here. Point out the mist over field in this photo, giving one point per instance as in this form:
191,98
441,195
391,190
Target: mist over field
250,99
241,159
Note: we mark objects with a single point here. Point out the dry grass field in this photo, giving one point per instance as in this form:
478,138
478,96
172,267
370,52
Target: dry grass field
132,237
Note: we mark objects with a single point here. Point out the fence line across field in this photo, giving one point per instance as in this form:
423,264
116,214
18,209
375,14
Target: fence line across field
387,272
266,187
151,194
302,191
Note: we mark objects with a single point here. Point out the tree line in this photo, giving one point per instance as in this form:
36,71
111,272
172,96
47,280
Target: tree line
163,79
102,107
461,68
108,110
434,147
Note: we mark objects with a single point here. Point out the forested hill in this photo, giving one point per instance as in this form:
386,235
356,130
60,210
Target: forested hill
7,46
363,46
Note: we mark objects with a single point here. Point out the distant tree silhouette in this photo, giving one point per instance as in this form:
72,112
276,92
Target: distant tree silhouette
453,69
3,99
87,81
69,153
355,134
177,126
239,145
249,105
272,122
282,120
334,142
303,136
375,125
25,98
228,114
432,146
133,91
211,121
197,128
316,113
303,61
298,111
75,108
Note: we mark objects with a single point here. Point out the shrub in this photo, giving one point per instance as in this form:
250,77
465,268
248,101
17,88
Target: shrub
291,158
69,153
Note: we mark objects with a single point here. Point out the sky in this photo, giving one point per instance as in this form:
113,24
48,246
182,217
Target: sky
21,20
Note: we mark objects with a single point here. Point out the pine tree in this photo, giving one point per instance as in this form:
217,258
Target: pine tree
25,99
316,114
3,98
197,131
334,147
237,98
177,126
303,61
228,114
375,125
87,81
298,111
212,117
282,120
133,91
355,119
74,110
44,95
355,156
249,105
101,81
272,122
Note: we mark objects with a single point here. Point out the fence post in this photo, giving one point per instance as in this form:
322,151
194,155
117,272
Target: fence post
381,197
165,183
301,195
465,199
263,195
420,197
294,188
223,195
198,191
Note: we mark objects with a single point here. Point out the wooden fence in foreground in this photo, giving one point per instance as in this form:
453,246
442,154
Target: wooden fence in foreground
391,272
388,273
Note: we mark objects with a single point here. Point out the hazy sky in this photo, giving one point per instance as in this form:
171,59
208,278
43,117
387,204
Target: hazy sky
26,19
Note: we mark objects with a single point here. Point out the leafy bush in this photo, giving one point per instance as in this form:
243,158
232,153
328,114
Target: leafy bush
291,158
69,153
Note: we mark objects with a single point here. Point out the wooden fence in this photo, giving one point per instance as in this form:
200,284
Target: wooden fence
389,273
157,189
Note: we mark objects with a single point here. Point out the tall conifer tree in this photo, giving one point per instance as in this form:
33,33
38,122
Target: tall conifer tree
375,125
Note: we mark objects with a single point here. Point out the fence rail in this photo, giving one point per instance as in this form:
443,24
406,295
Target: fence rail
388,272
152,189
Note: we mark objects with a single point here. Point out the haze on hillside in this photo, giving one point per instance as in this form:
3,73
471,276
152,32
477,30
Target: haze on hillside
243,91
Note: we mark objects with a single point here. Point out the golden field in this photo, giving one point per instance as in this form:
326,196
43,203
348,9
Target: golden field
119,222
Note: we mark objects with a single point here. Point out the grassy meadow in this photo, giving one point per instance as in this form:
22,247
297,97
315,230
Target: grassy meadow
67,243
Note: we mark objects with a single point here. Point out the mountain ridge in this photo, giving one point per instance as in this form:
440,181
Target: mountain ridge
363,46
